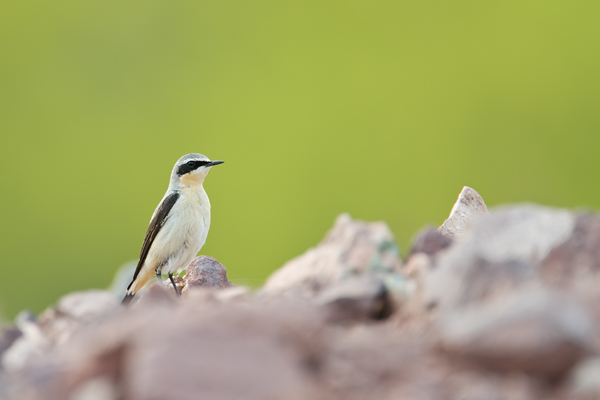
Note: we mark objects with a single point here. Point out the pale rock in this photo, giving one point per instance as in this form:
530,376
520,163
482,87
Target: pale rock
351,247
233,293
418,266
87,305
74,311
27,348
467,208
399,288
99,388
584,379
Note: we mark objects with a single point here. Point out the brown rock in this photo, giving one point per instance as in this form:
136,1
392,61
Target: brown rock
534,331
183,350
351,247
357,298
430,242
205,271
375,362
159,294
223,353
468,207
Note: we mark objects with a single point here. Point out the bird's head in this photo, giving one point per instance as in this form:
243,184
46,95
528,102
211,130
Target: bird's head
191,169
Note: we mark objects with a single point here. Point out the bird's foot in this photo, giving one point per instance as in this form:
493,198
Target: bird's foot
174,285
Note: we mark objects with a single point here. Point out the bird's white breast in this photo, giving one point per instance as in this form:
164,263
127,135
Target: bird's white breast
184,233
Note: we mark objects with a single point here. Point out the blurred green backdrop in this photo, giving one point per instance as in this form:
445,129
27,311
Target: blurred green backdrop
383,109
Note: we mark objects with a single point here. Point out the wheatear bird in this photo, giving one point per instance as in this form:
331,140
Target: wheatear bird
179,224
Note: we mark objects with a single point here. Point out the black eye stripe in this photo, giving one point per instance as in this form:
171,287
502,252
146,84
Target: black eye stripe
189,167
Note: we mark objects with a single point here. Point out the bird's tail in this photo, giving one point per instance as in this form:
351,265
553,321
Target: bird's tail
127,299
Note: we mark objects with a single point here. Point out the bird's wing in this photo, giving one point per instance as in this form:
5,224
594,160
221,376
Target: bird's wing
158,220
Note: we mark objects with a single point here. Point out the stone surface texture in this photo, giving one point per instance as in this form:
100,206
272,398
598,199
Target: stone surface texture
205,271
357,298
351,247
508,308
430,241
534,331
467,208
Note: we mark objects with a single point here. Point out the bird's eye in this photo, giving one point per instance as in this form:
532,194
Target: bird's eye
190,163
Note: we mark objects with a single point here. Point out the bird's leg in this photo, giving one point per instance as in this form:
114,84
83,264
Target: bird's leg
158,274
174,285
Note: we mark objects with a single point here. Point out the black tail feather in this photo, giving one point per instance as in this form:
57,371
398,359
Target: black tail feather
127,299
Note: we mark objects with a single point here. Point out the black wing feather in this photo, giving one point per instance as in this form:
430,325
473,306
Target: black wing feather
155,225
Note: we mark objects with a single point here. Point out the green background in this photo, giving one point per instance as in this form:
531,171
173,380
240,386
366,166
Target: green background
383,109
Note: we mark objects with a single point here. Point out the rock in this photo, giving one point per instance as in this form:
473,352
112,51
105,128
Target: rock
216,357
575,262
24,318
182,350
375,362
430,242
534,331
56,327
158,294
500,252
518,311
351,247
418,266
205,271
27,348
87,305
8,336
219,295
584,379
357,298
477,385
233,293
467,208
399,288
74,311
100,388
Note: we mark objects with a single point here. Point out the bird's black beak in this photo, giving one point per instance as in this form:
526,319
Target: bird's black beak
213,163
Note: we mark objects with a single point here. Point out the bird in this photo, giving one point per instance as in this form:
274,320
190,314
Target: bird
179,225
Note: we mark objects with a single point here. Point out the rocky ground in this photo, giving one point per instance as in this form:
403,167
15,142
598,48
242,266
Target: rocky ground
500,305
